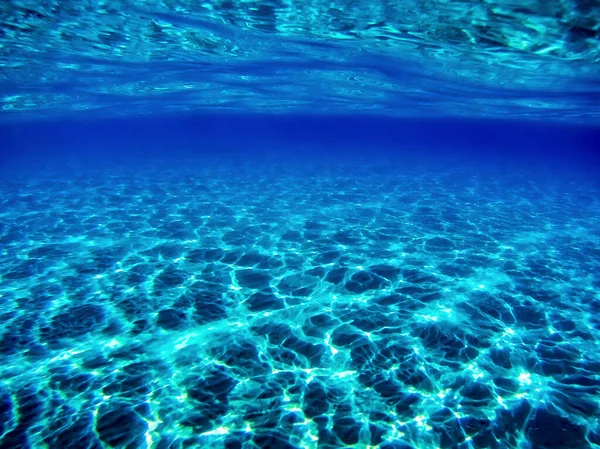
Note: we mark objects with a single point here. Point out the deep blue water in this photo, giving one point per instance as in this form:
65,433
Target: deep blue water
299,225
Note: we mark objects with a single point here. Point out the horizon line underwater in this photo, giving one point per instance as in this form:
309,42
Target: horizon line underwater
308,224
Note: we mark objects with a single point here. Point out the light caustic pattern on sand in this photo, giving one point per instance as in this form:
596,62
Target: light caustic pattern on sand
255,308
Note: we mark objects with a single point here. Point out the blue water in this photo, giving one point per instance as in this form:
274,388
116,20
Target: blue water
299,225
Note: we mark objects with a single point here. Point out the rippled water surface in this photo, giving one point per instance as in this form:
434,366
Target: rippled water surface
299,224
529,59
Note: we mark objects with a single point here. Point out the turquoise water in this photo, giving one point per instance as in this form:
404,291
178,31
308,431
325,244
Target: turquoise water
257,307
316,225
498,59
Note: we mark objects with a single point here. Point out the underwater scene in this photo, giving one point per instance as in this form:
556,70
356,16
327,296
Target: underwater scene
300,224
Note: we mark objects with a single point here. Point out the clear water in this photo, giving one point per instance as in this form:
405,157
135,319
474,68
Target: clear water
299,225
524,59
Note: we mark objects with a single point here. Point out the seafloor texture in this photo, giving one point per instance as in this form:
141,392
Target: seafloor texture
241,308
522,58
